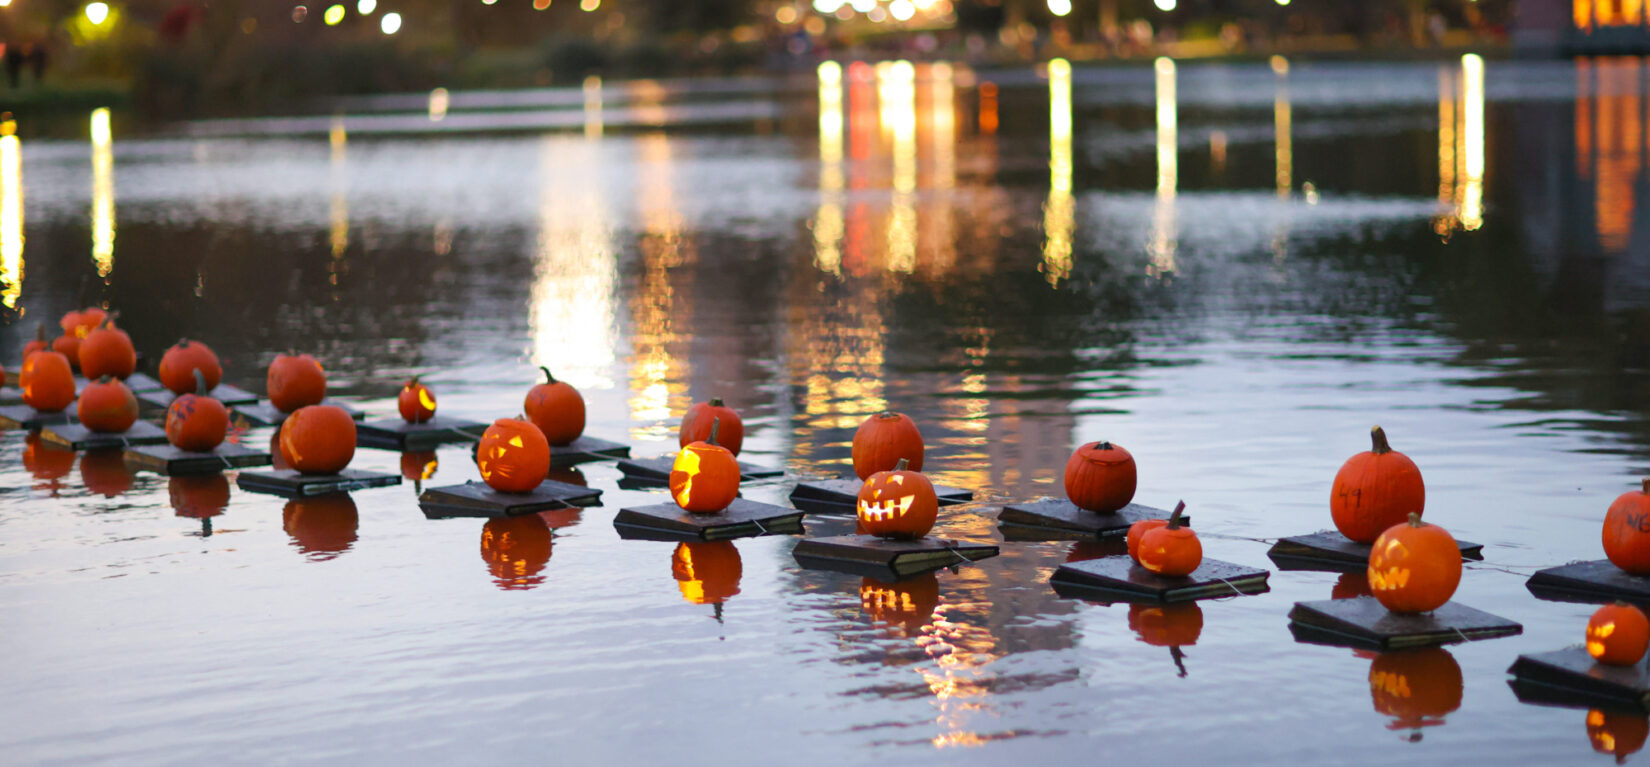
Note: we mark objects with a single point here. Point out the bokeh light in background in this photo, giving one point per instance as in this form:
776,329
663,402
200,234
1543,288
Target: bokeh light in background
366,7
1165,5
1059,7
299,13
97,12
333,15
391,23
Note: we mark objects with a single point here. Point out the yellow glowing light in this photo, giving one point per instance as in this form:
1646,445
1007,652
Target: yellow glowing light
11,220
1059,213
338,217
1282,2
902,10
366,7
1282,125
1164,241
1595,718
829,225
439,99
785,15
103,194
1059,7
97,12
1472,138
5,3
1165,5
390,23
426,399
333,15
687,462
589,5
538,5
896,90
593,106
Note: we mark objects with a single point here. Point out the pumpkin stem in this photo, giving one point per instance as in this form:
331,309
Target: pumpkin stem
1645,485
715,428
1174,519
108,320
1377,437
40,332
412,382
1102,445
1414,519
105,378
902,464
200,382
550,379
887,414
716,402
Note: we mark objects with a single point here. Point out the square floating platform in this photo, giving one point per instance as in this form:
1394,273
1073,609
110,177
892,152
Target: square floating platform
398,434
230,396
288,483
264,414
170,461
742,519
869,555
142,382
1595,582
1062,519
76,437
585,450
1572,676
476,499
11,395
1119,579
25,417
839,496
655,472
1366,623
1328,550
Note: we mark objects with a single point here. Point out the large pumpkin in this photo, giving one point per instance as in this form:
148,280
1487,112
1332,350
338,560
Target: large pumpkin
898,504
1417,688
416,402
107,351
104,472
1618,634
107,406
1100,477
513,456
707,573
196,422
884,440
178,366
323,526
47,382
1173,549
908,604
1375,490
1414,567
295,381
704,478
556,408
697,422
1619,733
1627,530
516,549
318,439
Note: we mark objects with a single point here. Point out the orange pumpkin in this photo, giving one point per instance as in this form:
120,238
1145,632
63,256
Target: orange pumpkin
513,456
47,382
1173,626
883,440
556,408
707,573
322,526
1618,634
198,496
107,406
87,320
516,549
1417,688
898,504
908,604
1172,549
1627,531
40,342
69,321
704,478
107,351
1619,733
1100,477
1138,530
178,366
69,347
295,381
696,425
1375,490
196,422
416,402
318,439
104,472
1414,567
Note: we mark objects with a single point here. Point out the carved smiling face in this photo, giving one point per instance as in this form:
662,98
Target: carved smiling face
897,504
513,456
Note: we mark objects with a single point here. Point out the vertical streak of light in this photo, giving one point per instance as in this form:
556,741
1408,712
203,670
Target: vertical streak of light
898,95
593,106
1161,248
1283,126
11,220
338,217
1448,215
103,194
941,219
828,221
1059,213
659,312
572,312
1472,141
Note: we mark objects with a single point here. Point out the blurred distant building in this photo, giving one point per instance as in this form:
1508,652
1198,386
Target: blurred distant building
1582,27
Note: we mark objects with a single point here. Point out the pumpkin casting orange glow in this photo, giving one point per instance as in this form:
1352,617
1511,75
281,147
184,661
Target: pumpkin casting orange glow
704,478
1173,549
1414,567
513,456
1618,634
416,402
898,504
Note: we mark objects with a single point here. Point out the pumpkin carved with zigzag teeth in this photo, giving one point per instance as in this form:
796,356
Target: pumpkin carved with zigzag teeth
898,504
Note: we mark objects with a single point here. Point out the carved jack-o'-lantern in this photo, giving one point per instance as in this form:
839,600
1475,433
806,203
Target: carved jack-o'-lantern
1617,634
707,573
1414,567
1619,733
416,402
513,456
704,479
1173,626
516,549
908,604
898,504
1172,549
322,527
418,466
1415,687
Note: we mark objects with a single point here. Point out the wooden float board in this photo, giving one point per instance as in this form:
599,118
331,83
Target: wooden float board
170,461
398,434
1365,622
585,450
741,519
1062,517
477,499
1119,579
25,417
261,413
1328,550
1571,674
1594,582
230,396
76,437
839,496
656,471
289,483
869,555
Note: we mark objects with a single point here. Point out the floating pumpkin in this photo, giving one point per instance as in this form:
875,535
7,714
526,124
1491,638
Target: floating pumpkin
1375,490
295,381
43,462
1138,530
40,342
68,322
318,439
1414,567
104,472
416,402
704,478
323,526
107,351
1351,586
1172,626
513,456
898,504
1172,549
884,440
1618,733
69,347
47,382
1618,634
556,408
88,320
1627,531
107,406
1100,477
1417,688
516,549
696,425
706,572
908,604
179,363
196,422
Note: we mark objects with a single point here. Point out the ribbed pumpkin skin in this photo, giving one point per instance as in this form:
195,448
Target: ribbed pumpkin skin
556,408
319,439
1100,477
107,406
1375,490
295,381
697,421
107,351
882,440
47,382
1414,567
1627,531
179,363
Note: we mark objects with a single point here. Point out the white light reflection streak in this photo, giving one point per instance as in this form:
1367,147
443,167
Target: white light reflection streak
593,107
1161,248
103,194
11,219
657,375
572,310
1059,213
829,225
1472,142
898,96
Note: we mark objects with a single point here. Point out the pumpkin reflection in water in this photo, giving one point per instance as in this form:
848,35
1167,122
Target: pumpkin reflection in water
1083,551
322,527
707,572
104,472
1172,626
516,549
418,466
908,604
1351,586
1415,687
1618,733
199,496
46,464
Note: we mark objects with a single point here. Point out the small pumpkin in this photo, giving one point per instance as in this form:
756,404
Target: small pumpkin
1100,477
1375,490
1417,688
69,347
908,604
898,504
40,342
104,472
196,422
88,320
318,439
1618,634
1173,626
706,572
704,478
107,351
321,526
47,382
884,440
513,456
1414,567
556,408
179,363
697,422
295,381
1627,531
1137,531
1172,549
69,321
416,402
1619,733
107,406
516,549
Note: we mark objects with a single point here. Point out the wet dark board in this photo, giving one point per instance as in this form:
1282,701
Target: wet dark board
25,417
585,450
1363,622
265,414
476,499
1119,579
838,496
655,472
1328,550
11,395
1058,515
1595,582
142,382
868,555
742,519
1572,674
397,434
168,460
288,483
230,396
76,437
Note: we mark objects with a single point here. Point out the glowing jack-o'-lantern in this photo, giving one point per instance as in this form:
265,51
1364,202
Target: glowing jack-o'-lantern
1414,567
1138,530
516,549
1375,490
883,440
1617,634
1618,733
1417,688
416,402
104,472
908,604
1100,477
47,382
898,504
199,496
323,526
418,466
1627,531
707,573
704,479
513,456
1173,626
1172,549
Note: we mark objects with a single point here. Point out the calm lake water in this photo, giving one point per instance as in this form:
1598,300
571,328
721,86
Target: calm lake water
1233,270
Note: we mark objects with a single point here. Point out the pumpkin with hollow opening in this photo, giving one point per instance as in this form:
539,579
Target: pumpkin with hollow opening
513,456
898,505
1414,567
1417,687
704,478
1618,733
1618,634
1172,549
415,402
908,604
706,572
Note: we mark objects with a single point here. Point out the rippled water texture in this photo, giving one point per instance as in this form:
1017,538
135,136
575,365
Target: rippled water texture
1234,271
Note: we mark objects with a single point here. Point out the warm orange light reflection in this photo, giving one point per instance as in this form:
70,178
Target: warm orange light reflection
1164,239
659,364
1059,212
572,316
103,194
11,220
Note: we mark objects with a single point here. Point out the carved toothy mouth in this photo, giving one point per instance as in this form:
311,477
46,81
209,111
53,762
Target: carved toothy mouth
883,511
